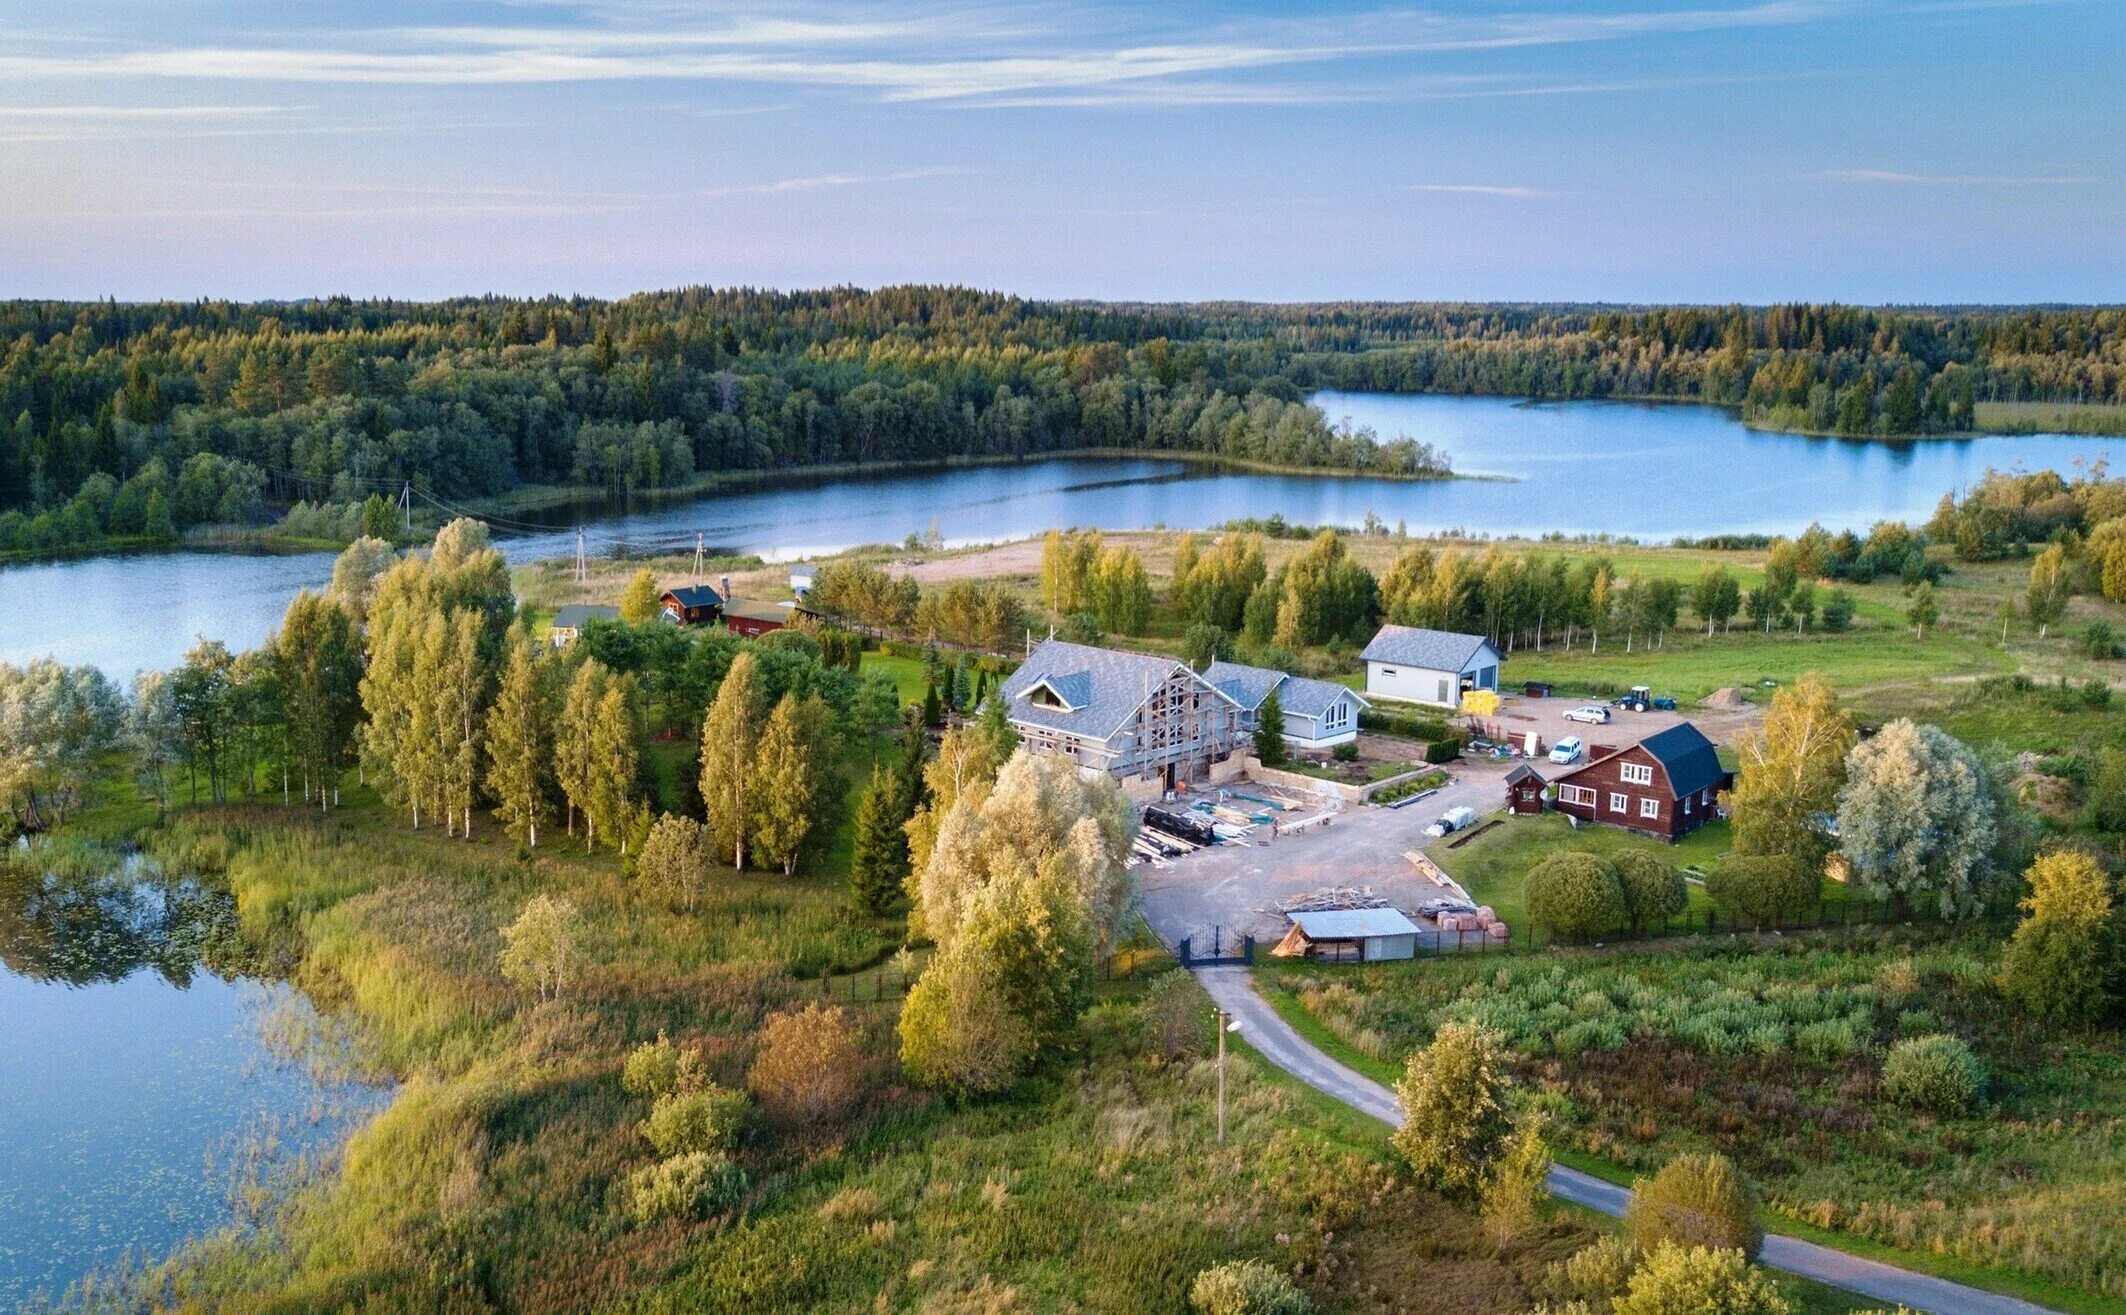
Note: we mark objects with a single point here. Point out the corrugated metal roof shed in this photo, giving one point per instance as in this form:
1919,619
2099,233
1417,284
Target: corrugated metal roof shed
1353,924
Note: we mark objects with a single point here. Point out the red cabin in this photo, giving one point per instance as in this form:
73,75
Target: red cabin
1666,785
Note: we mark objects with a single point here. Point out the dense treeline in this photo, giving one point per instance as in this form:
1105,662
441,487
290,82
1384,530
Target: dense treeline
105,407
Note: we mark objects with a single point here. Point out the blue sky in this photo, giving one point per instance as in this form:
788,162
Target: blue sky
1642,150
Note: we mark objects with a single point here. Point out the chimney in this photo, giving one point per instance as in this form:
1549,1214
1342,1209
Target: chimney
723,587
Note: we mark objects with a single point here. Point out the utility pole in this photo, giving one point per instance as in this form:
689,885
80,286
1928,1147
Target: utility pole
582,568
697,557
406,506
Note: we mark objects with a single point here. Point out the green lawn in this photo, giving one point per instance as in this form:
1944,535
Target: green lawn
1689,666
907,674
1494,866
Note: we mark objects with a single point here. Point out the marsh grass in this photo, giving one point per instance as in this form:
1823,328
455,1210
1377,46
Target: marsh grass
1772,1055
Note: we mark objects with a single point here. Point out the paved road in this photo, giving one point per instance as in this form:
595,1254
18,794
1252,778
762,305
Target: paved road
1234,991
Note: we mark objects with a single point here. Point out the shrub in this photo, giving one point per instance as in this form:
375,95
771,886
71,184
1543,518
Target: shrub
1695,1201
1575,893
692,1186
1596,1274
1345,753
1653,890
1452,1096
706,1120
1174,1010
1762,890
810,1068
1936,1073
1444,749
2097,640
652,1068
1676,1280
1247,1287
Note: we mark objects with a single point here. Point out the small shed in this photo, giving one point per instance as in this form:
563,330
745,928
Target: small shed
754,619
570,620
1374,934
1524,790
692,604
1536,689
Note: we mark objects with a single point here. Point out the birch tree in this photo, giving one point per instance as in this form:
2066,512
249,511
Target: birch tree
782,783
729,735
573,740
1790,772
519,747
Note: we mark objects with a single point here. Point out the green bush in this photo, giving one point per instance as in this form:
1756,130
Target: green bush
709,1119
1762,890
1936,1073
1445,749
1596,1274
1247,1287
1345,753
696,1185
652,1068
1695,1201
1678,1280
1412,726
1576,893
1653,889
1453,1098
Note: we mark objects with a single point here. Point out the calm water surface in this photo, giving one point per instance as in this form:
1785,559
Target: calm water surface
139,1083
1652,472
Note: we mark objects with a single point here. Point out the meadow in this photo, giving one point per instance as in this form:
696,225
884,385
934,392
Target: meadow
1769,1050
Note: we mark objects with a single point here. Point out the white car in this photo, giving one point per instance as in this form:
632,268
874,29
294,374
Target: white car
1566,750
1593,714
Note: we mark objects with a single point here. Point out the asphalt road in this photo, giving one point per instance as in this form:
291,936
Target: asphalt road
1233,990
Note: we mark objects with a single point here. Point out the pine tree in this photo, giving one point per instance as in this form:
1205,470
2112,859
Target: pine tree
518,752
1269,731
878,865
933,707
728,736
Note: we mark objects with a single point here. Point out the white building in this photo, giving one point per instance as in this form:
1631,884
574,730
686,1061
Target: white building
1429,666
1318,714
1375,934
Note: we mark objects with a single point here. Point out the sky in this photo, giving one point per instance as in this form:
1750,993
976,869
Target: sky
1865,151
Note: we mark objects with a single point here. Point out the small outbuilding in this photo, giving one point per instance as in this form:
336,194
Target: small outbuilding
1367,935
569,621
1429,666
755,619
692,605
1524,790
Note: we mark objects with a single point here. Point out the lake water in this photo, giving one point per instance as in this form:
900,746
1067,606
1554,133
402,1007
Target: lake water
140,1086
1650,472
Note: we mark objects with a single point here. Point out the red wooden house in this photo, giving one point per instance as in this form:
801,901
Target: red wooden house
1524,790
1666,785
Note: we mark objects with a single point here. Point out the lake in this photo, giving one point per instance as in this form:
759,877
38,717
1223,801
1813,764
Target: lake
1653,472
147,1075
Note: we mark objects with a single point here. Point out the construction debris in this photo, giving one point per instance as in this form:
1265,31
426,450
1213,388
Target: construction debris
1331,898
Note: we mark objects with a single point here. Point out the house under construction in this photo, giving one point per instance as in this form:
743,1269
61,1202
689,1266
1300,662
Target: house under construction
1150,722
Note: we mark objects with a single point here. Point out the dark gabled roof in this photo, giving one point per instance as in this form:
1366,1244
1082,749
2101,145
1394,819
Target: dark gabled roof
574,615
694,595
1521,773
1687,756
1433,650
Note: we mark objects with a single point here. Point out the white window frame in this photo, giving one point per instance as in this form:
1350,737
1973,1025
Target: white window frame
1688,800
1577,794
1618,803
1635,773
1650,807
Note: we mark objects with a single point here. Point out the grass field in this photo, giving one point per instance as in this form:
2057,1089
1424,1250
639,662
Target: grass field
1493,867
907,674
1770,1053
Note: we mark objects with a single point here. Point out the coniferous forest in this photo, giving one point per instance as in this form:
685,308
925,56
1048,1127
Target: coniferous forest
140,421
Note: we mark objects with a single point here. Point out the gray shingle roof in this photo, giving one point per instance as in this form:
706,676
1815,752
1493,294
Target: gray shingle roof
1104,686
695,595
1434,650
574,615
1244,685
1311,698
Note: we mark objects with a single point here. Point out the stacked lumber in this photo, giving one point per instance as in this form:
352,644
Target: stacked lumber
1332,898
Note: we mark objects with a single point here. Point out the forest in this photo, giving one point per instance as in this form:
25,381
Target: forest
140,423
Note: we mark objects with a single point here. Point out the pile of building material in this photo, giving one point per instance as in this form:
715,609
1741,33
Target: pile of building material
1332,898
1181,825
1483,920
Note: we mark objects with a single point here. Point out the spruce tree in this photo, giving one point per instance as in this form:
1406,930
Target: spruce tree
933,707
879,864
1269,731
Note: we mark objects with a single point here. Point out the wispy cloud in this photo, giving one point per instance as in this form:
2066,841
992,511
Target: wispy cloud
936,54
1514,192
816,182
1899,177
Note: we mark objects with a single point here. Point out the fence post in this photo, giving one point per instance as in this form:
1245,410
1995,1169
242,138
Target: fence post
1247,949
1183,948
